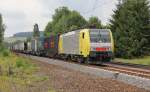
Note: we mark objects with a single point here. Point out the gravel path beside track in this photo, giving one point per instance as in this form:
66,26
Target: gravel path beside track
66,80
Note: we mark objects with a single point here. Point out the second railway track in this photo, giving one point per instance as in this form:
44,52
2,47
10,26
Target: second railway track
146,67
136,71
145,73
133,69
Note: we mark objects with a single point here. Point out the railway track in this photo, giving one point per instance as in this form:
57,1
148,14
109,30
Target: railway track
147,67
121,68
141,71
129,70
136,78
132,69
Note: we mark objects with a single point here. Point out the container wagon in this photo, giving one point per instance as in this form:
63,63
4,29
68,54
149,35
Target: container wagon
51,46
37,47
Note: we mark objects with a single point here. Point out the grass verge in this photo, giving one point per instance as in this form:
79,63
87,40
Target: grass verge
143,61
18,74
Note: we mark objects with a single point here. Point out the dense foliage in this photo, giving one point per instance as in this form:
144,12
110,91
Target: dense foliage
94,22
2,29
130,25
64,20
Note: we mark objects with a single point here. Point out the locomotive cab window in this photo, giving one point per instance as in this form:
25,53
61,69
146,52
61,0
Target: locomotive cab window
100,36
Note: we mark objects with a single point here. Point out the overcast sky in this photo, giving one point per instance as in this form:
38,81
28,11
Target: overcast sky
21,15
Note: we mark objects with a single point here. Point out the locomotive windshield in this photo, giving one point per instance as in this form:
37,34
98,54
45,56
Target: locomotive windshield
99,36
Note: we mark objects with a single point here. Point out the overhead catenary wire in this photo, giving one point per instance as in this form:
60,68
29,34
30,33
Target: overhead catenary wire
95,6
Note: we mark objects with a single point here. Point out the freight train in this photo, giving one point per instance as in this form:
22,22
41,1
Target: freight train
84,45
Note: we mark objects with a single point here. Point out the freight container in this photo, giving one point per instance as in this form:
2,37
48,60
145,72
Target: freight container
37,46
18,46
51,45
28,47
40,42
34,45
21,46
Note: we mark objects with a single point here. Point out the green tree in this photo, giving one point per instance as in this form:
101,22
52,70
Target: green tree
48,29
107,26
59,13
71,22
131,28
94,22
2,29
64,20
75,20
36,32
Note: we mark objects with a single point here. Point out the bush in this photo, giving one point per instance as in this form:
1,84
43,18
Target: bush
6,53
20,62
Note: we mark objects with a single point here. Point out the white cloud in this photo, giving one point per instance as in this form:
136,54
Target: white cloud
103,9
21,15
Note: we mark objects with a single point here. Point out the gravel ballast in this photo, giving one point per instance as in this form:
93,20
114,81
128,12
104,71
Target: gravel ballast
65,80
129,79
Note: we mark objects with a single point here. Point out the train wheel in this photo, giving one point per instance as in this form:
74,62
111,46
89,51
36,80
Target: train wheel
68,58
80,59
87,61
